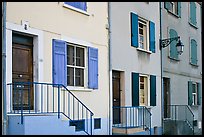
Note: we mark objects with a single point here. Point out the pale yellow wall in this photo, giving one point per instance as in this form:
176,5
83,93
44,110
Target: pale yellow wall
56,21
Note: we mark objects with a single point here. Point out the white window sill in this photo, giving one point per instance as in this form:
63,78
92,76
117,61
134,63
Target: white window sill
173,58
195,65
192,25
174,14
76,9
140,49
83,89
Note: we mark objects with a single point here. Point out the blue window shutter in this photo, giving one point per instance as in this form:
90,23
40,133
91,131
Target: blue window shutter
190,88
152,90
179,9
152,36
199,94
59,62
193,13
193,52
173,49
135,89
134,29
93,68
167,5
79,5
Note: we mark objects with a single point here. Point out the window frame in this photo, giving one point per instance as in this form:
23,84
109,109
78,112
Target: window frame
147,97
195,94
77,9
146,40
85,65
189,16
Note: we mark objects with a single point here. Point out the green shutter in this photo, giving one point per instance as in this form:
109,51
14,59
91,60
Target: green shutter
152,36
173,49
193,13
152,90
167,5
179,9
193,52
198,94
134,30
135,89
190,88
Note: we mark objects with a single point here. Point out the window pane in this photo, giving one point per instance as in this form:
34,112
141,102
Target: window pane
80,57
79,77
70,55
141,31
70,76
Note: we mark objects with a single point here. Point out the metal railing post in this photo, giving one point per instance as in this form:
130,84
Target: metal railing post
58,102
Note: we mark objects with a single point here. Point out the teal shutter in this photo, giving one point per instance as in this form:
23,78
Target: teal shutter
193,13
152,36
198,94
173,49
152,90
135,89
193,52
179,9
167,5
134,29
190,88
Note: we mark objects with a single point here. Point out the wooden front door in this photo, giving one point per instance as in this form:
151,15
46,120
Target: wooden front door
166,84
22,71
116,97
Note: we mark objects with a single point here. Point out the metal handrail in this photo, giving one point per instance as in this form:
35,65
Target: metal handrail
60,87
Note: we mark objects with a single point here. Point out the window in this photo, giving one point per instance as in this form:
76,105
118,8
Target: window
143,100
192,20
173,50
78,5
142,33
143,90
194,93
75,65
173,7
193,52
97,123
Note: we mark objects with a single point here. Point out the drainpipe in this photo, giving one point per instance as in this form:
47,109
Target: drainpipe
4,70
162,91
110,69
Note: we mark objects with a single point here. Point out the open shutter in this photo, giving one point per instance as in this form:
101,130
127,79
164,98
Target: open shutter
59,62
193,13
173,49
134,29
152,90
193,52
190,88
179,9
167,5
152,36
199,94
135,89
93,68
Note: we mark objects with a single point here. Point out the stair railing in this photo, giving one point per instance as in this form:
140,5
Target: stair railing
47,98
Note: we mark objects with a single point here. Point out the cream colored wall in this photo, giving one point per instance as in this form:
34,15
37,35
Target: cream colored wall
57,21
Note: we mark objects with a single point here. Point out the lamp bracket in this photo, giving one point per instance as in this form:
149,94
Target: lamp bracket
165,42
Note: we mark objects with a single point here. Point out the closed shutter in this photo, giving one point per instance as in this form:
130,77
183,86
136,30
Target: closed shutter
193,52
179,9
152,90
93,68
167,5
135,89
152,36
193,13
79,5
134,29
173,49
190,88
59,62
199,94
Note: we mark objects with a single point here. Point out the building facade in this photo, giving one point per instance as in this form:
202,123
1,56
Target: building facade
182,73
136,68
58,54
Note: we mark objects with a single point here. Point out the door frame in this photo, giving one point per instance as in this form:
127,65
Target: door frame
168,97
38,59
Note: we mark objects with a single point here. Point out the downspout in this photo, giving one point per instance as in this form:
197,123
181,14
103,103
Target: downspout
110,69
4,70
162,98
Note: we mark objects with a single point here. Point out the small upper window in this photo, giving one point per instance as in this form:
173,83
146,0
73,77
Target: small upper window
193,13
143,34
78,5
174,7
